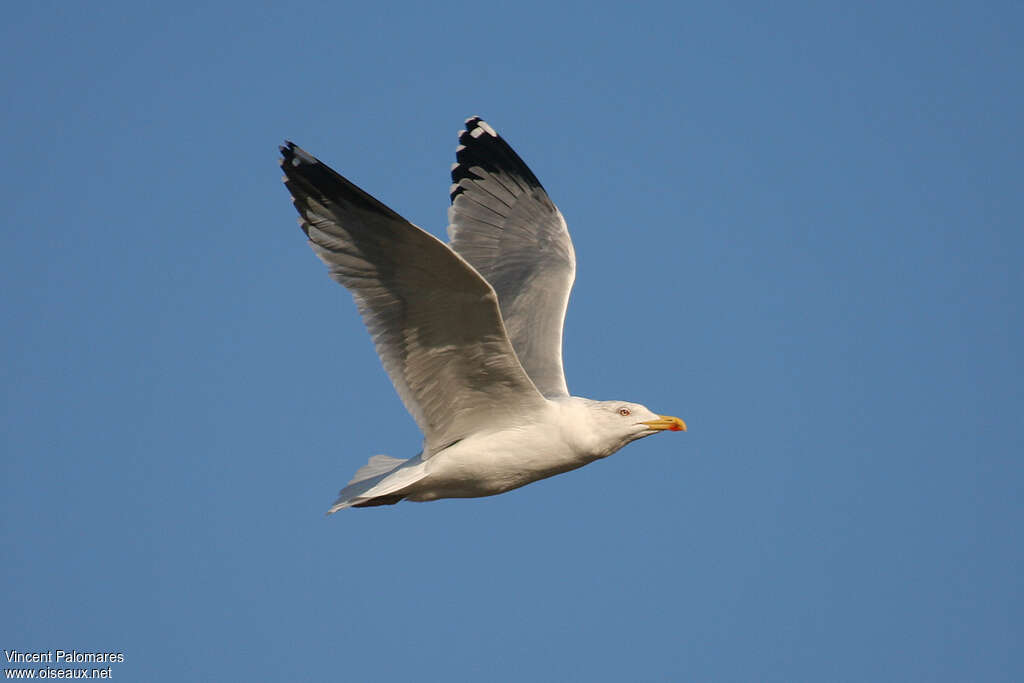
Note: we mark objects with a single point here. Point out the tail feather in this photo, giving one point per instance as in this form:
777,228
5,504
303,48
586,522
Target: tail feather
380,482
378,464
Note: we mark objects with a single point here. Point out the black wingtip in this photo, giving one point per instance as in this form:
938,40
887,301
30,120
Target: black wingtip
481,147
294,155
307,177
287,151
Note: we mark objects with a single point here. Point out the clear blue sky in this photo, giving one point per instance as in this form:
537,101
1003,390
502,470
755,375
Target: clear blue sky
799,228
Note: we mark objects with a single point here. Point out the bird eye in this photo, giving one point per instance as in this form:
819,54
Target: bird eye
624,412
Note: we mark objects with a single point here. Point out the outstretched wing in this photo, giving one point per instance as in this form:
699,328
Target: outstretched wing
503,222
434,320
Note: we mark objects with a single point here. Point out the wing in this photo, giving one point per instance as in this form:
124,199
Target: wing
435,322
502,221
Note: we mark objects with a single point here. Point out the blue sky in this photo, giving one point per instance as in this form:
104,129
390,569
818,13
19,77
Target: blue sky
798,228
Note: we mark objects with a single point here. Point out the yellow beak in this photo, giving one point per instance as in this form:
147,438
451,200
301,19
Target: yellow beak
672,424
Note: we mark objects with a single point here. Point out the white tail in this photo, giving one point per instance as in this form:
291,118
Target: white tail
377,482
378,464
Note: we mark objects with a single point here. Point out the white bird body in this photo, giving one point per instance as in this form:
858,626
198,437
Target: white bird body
471,332
492,462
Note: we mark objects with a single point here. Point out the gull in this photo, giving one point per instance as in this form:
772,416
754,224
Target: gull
470,332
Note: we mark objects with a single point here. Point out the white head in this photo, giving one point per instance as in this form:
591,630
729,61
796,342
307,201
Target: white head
599,428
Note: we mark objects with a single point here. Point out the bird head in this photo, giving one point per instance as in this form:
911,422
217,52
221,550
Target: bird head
604,427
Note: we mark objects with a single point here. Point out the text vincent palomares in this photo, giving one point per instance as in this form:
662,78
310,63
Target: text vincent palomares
63,656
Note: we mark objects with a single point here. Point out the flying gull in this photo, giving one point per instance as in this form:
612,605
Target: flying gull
470,332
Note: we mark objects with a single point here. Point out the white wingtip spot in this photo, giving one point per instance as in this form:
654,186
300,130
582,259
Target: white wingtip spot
454,186
490,131
302,157
459,149
476,132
